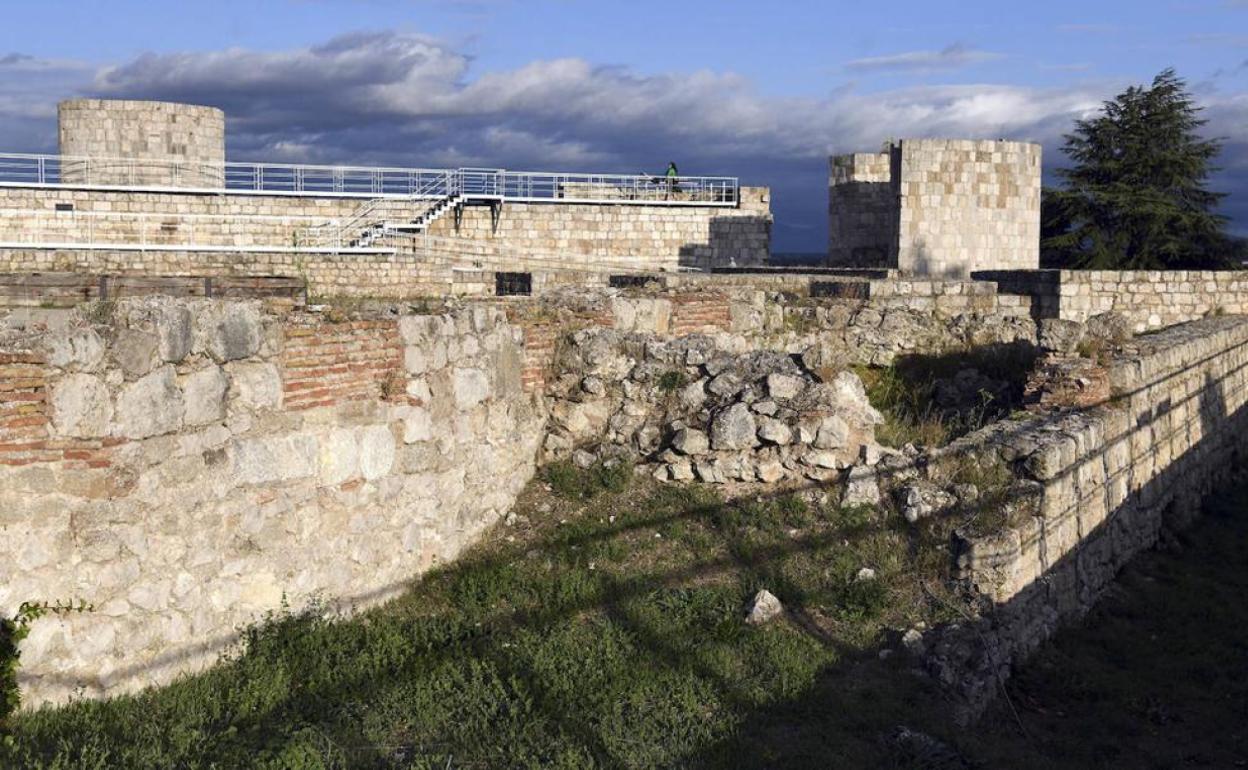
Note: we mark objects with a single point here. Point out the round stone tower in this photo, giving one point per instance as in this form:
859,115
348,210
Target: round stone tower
139,143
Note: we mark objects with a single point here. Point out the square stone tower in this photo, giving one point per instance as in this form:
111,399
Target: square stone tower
937,207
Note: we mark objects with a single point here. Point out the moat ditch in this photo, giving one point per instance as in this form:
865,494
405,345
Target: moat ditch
602,626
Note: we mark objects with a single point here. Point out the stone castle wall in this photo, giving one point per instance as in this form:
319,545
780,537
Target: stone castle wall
1149,299
165,144
655,237
529,236
937,207
185,465
862,211
1106,481
18,202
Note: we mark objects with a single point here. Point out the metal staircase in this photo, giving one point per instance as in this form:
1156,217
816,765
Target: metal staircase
378,229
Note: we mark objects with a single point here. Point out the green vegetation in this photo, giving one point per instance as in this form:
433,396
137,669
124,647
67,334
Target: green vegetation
604,629
671,381
609,633
1155,676
1135,197
12,631
905,393
573,483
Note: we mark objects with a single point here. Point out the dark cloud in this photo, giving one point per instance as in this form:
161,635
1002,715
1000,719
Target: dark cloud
402,99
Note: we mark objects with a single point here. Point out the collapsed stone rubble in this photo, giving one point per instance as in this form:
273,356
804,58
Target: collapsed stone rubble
692,411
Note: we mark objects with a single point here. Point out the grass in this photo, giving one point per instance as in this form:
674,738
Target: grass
904,393
604,629
1157,676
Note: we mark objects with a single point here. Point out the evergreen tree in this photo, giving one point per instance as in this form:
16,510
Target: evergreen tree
1135,196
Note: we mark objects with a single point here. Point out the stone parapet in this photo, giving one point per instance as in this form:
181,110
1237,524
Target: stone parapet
1107,481
1149,299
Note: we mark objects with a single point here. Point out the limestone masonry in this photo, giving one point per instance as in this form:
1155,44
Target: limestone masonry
187,465
1105,482
220,398
109,130
937,207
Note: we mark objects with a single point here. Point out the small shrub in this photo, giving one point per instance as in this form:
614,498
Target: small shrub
794,510
394,386
1092,348
861,600
612,478
671,381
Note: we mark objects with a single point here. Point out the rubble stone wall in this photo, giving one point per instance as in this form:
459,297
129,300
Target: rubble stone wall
1108,480
695,410
187,465
874,327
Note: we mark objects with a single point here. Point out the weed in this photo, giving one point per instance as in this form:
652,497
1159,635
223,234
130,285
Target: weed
99,313
572,483
905,393
851,518
671,381
12,631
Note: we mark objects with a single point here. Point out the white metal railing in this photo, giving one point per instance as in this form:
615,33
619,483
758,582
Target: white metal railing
457,253
280,178
95,229
372,214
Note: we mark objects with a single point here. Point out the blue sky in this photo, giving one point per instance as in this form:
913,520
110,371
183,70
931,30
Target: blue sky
763,91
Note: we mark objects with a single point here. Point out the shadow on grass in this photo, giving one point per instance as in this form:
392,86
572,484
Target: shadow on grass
604,631
609,633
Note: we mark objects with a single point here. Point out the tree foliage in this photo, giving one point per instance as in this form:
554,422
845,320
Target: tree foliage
1135,196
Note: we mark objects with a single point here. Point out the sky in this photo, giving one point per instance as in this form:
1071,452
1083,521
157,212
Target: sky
761,91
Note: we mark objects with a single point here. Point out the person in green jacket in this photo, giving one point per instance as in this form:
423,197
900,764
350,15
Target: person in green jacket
672,175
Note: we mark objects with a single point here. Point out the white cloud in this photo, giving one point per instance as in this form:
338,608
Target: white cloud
401,99
950,57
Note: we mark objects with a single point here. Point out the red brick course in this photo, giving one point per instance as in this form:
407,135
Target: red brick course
25,437
327,364
700,313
